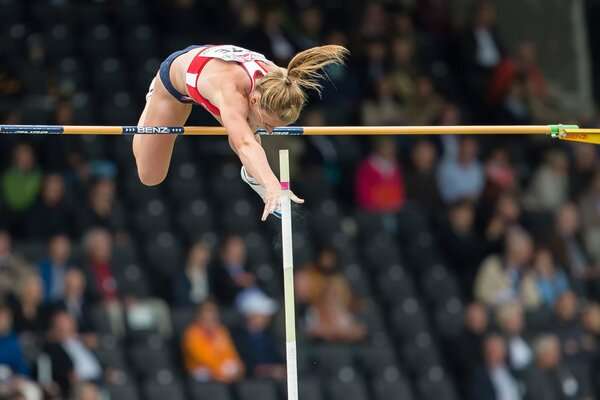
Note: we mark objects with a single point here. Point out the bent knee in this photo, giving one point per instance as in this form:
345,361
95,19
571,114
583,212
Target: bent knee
149,176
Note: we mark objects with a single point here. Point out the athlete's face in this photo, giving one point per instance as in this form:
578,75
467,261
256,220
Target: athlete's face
258,118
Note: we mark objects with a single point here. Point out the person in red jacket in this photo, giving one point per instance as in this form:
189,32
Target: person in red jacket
379,179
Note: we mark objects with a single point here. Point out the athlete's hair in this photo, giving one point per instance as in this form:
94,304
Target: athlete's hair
284,95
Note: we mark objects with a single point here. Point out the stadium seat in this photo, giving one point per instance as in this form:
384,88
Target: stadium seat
152,219
449,318
196,219
181,317
109,76
164,254
132,12
253,390
326,221
538,320
259,250
90,13
395,285
400,390
157,391
369,223
331,359
120,108
124,253
374,361
381,251
314,191
408,319
131,280
309,389
434,385
347,390
439,284
411,222
227,184
148,363
209,391
98,43
11,11
124,391
420,354
240,217
184,183
112,358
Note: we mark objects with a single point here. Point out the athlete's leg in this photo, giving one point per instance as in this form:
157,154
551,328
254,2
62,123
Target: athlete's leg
153,152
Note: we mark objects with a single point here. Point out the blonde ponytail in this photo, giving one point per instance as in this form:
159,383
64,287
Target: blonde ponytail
284,95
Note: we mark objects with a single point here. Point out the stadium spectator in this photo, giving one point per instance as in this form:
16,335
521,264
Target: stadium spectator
29,312
380,180
460,175
97,244
577,351
494,380
550,379
421,177
508,278
53,268
102,209
384,108
51,215
584,166
20,185
505,215
86,391
500,175
466,352
192,285
462,246
551,280
12,266
231,280
72,361
16,372
207,348
310,32
403,71
373,65
425,106
512,322
255,340
549,187
74,301
331,318
590,217
569,250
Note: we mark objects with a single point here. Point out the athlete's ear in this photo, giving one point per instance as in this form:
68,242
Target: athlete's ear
254,98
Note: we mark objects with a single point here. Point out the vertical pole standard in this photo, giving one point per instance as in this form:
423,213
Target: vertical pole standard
288,276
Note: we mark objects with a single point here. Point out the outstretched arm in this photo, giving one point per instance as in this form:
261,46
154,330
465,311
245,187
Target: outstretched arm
234,113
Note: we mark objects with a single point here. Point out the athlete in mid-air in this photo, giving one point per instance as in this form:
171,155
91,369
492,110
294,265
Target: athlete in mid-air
244,91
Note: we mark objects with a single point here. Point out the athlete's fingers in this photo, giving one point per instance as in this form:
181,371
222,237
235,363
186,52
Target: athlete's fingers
265,213
295,198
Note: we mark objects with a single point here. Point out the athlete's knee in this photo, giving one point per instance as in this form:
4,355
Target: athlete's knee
149,176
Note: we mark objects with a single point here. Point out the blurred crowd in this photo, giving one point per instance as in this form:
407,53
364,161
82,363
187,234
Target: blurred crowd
516,220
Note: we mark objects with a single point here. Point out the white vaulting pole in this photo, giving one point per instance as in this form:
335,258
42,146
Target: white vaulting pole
288,276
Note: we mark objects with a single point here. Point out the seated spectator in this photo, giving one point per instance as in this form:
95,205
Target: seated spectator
500,175
29,312
52,213
425,106
231,281
569,251
421,179
97,245
20,185
255,340
72,361
13,267
16,373
460,175
102,209
578,352
380,180
507,279
384,108
86,391
505,215
550,379
590,217
551,280
463,247
331,318
404,70
549,187
54,267
511,322
74,301
494,380
466,352
312,279
585,164
192,285
208,350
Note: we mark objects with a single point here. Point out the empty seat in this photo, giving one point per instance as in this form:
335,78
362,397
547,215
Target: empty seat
99,42
439,284
181,318
326,220
209,391
408,319
132,11
435,386
164,254
332,359
399,389
227,184
112,358
124,391
395,285
253,390
420,354
240,217
132,281
309,389
355,390
184,183
376,361
109,76
157,391
152,219
196,219
119,109
449,318
148,363
381,251
259,251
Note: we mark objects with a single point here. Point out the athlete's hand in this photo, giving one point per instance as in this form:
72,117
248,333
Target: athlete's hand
273,198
